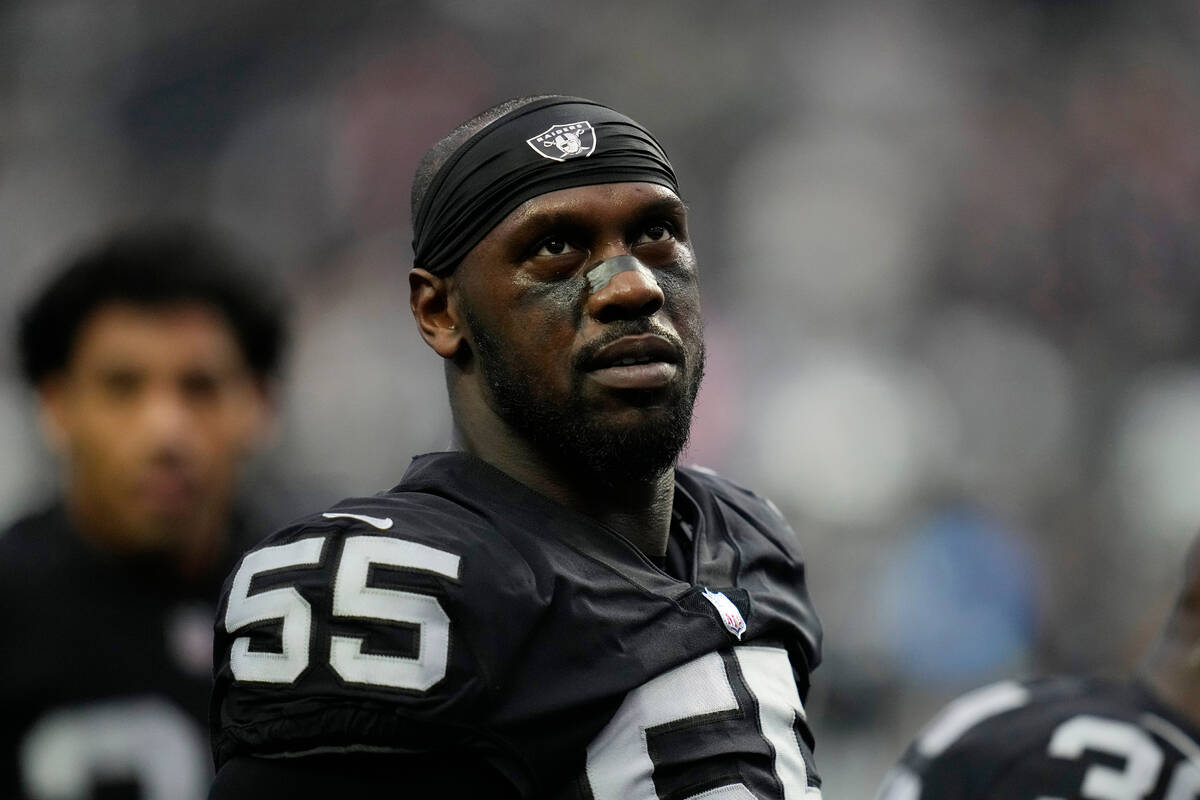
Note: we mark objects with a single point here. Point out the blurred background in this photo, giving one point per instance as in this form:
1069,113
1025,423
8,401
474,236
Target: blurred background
950,256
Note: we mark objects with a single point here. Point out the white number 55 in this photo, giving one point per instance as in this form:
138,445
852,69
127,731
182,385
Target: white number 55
352,598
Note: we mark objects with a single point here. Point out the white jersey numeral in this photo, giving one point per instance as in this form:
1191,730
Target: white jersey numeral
619,766
149,741
353,598
1185,783
768,675
285,604
1143,758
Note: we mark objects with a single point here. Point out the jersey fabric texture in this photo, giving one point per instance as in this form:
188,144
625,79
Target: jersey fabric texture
1065,738
463,612
105,680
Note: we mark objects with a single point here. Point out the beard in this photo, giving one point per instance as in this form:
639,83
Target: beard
573,435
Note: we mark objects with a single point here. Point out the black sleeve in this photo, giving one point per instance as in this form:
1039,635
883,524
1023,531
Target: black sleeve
358,775
425,684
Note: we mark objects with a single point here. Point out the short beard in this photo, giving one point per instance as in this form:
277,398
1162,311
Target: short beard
569,435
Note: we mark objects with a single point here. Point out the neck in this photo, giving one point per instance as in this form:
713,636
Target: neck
1172,669
638,509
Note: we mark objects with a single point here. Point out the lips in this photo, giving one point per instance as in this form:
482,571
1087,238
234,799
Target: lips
167,490
645,361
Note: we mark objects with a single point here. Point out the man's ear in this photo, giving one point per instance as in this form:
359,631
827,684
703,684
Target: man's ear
435,313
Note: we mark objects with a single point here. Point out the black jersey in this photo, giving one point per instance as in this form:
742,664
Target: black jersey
462,612
1053,739
106,670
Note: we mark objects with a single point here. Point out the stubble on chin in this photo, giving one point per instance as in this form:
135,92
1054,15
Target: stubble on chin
572,434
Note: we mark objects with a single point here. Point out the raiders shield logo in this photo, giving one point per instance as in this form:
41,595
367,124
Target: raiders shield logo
569,140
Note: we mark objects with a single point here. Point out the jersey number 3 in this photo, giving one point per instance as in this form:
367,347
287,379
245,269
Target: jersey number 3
1143,760
353,598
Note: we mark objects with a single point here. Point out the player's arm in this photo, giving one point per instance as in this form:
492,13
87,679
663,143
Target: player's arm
364,632
359,775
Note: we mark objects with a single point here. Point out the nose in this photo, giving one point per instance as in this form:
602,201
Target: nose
627,294
165,418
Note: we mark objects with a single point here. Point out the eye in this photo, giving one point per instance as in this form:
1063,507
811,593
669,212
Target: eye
200,386
657,232
120,384
554,246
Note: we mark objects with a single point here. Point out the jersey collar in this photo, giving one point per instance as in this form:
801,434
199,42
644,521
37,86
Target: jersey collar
584,534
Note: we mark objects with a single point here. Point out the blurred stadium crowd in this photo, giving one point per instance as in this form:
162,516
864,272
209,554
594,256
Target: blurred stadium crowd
951,272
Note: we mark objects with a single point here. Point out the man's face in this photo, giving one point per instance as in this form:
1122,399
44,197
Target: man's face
554,354
153,414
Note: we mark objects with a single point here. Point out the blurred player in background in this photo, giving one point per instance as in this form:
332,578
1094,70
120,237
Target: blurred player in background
1072,737
554,609
152,355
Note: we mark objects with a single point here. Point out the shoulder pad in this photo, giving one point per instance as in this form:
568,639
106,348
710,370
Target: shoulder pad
373,624
730,491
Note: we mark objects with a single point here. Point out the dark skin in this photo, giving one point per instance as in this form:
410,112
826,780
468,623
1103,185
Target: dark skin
524,282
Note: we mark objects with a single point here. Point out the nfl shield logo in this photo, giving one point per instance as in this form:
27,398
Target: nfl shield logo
568,140
728,612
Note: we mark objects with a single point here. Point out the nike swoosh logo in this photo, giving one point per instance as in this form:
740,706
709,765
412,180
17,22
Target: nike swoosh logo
382,523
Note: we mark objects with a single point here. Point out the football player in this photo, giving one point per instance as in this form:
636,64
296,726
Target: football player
553,608
1072,737
151,355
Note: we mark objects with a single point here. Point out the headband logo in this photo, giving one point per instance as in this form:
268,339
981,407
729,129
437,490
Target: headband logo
560,142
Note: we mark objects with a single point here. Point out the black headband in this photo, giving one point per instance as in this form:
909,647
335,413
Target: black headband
554,143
